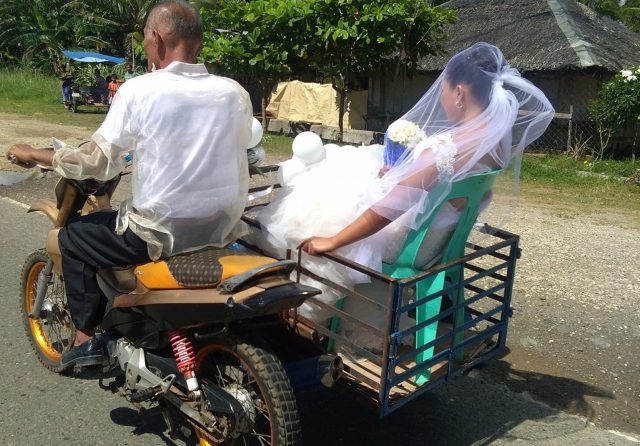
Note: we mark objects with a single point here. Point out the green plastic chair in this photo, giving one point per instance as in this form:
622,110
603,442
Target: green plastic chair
473,189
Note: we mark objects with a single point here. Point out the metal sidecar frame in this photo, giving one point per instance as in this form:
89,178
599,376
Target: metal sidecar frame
471,328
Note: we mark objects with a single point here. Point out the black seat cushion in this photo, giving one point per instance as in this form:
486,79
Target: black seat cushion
200,268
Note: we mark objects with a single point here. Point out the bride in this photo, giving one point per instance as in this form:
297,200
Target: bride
478,116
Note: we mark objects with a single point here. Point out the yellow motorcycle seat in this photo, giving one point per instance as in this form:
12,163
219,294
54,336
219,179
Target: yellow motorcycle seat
201,269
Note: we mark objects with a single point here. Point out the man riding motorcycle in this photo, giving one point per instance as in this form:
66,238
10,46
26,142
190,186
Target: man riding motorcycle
187,131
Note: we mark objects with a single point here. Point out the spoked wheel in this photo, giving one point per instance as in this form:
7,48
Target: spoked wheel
256,378
52,332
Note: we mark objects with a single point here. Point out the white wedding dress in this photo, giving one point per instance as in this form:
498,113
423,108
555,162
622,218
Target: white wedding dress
324,200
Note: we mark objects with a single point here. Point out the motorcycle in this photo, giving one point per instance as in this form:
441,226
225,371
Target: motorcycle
193,333
75,95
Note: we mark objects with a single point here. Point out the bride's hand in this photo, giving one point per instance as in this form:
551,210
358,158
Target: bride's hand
317,245
383,171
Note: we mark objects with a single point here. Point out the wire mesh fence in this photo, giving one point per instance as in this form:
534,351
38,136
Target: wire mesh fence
578,135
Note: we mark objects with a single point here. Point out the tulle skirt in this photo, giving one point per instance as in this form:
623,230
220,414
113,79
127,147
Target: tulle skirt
321,202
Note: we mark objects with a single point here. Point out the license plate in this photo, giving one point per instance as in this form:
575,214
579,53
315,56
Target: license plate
75,95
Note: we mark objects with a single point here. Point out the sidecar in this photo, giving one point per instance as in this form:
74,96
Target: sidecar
421,328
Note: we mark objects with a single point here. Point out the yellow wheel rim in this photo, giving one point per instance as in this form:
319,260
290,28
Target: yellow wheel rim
203,440
42,340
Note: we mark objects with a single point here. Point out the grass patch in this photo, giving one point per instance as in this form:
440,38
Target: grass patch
555,167
560,179
277,145
40,96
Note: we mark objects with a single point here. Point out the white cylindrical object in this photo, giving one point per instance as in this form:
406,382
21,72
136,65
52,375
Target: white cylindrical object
289,170
308,148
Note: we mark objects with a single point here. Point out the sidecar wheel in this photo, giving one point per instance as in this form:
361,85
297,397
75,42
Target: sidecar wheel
256,378
52,332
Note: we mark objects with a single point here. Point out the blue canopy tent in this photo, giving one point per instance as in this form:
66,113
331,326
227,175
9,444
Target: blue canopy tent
80,56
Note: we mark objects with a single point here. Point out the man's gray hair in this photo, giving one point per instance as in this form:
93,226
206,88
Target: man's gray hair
181,18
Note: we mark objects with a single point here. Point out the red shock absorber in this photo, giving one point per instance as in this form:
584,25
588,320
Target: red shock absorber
185,357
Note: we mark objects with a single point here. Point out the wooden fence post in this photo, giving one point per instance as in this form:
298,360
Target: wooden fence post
569,128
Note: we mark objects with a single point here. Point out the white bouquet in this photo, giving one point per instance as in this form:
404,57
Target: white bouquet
406,133
401,136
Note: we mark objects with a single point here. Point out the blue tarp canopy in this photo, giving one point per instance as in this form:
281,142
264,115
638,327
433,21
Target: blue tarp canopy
92,57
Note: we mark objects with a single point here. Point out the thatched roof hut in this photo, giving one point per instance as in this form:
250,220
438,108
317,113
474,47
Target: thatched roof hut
541,35
562,46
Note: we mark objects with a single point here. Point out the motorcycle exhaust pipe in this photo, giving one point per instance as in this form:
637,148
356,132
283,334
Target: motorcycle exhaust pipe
322,369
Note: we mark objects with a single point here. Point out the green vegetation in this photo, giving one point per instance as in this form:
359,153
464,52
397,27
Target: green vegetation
33,33
344,39
586,183
554,168
40,96
627,12
617,106
277,146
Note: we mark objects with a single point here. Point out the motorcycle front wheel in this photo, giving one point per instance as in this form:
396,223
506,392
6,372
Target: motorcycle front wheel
52,331
256,378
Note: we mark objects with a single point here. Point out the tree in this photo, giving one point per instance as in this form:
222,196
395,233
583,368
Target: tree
117,25
334,39
610,8
617,106
630,14
37,31
362,37
258,39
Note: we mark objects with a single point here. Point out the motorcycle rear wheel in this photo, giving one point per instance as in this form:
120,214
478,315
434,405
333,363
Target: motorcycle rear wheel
51,333
256,377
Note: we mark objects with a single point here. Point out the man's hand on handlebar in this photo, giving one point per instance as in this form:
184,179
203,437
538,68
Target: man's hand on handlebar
26,156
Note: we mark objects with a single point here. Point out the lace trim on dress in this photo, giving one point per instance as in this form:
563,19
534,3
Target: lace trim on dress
445,151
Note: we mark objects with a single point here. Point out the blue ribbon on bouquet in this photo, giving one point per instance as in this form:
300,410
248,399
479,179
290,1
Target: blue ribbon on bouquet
393,151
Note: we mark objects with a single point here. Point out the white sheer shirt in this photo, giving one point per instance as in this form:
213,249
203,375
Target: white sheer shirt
187,131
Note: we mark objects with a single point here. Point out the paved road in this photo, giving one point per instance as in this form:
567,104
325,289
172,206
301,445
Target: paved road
38,407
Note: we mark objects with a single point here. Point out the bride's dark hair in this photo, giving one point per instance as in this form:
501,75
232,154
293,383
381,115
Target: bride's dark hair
476,67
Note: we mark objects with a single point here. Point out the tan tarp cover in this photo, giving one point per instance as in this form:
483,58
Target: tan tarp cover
316,104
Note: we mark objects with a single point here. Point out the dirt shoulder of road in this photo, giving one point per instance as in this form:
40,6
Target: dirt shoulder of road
23,129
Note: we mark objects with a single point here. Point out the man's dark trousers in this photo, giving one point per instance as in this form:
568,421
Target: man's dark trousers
89,243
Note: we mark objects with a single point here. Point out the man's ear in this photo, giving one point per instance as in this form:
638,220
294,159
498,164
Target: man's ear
159,42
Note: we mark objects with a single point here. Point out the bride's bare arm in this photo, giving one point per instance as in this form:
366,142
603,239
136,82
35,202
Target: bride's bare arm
423,177
368,223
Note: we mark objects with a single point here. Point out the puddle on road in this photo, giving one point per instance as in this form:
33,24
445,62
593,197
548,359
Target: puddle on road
8,178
